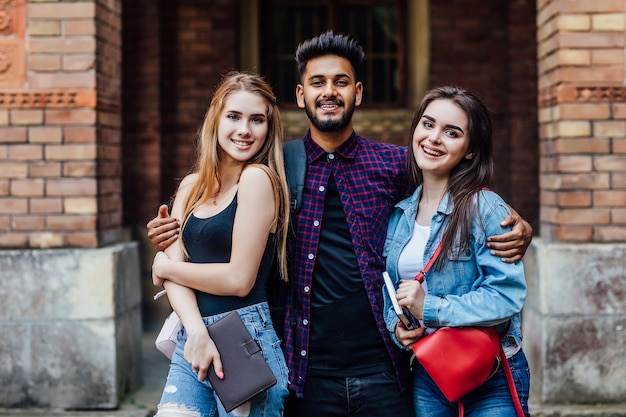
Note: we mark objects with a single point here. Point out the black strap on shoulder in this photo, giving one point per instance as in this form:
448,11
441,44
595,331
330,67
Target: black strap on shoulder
295,167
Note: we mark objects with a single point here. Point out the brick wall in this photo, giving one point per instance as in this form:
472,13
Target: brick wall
522,104
142,110
176,54
52,102
199,43
582,120
109,123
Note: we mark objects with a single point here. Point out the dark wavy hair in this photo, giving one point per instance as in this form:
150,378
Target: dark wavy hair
329,43
470,175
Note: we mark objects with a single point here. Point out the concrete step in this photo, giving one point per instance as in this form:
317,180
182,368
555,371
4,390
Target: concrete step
142,403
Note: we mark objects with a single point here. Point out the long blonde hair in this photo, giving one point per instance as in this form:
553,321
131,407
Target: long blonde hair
270,157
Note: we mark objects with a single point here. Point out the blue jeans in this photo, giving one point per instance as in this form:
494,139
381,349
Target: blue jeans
376,395
492,399
185,395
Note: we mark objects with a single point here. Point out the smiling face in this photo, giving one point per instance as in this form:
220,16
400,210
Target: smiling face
329,93
243,125
441,138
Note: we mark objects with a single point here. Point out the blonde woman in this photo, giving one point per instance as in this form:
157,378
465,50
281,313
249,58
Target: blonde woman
234,212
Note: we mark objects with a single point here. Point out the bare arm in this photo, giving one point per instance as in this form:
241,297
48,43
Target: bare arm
512,246
200,351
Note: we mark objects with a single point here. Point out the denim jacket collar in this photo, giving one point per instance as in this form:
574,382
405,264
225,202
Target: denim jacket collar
409,204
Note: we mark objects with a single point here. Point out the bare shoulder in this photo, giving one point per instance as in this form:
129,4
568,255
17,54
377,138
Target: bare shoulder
255,175
255,184
186,184
190,179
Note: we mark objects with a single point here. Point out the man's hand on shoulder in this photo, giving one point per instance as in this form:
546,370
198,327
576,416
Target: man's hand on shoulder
163,230
512,246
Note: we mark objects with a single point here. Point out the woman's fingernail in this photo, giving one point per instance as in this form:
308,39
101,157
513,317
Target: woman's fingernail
221,375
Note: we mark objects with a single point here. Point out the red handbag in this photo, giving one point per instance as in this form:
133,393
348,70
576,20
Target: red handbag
461,359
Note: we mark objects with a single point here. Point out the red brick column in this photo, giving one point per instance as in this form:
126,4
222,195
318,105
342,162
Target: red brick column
60,124
575,312
582,116
74,310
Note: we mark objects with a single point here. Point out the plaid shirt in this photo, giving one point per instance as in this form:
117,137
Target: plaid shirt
371,177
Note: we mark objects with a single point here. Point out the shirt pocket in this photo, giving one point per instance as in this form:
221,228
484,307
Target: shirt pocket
457,254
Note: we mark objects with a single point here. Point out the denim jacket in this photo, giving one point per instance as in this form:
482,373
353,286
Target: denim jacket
475,288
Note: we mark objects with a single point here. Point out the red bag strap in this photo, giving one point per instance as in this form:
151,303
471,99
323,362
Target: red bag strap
512,388
420,276
509,379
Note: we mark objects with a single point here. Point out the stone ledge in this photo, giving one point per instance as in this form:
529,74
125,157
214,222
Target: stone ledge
72,325
589,410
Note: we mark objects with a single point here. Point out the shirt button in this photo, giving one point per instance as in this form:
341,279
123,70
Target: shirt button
331,156
303,352
305,322
316,223
307,288
322,188
311,256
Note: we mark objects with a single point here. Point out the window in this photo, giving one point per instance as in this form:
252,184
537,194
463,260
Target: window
379,26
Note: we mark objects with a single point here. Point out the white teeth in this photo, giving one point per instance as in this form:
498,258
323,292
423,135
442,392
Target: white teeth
432,152
241,142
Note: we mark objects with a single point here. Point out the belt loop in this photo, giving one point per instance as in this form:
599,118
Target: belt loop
261,311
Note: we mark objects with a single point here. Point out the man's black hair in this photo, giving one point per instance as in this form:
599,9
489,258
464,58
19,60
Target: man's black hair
329,43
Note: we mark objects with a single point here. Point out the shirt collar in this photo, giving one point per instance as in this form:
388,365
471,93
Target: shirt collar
347,150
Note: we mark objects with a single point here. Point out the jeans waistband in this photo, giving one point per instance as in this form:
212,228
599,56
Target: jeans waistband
254,312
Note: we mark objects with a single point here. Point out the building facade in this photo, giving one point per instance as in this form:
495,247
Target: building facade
100,102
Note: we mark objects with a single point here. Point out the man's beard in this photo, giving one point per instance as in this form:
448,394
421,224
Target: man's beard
333,125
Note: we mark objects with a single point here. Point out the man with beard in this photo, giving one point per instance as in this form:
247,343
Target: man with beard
341,359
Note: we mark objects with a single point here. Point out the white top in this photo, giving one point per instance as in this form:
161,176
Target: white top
411,260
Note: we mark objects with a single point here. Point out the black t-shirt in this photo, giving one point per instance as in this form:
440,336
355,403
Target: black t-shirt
344,338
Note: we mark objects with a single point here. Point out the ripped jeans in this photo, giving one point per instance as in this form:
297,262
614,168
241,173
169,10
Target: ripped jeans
183,395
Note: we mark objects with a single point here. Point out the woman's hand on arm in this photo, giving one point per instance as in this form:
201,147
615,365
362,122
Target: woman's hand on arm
159,265
511,246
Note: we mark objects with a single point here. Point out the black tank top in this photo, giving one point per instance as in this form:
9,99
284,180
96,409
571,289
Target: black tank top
209,240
